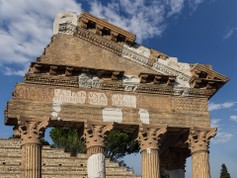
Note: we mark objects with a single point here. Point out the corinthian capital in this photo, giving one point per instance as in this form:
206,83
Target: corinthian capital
95,134
31,131
199,138
150,137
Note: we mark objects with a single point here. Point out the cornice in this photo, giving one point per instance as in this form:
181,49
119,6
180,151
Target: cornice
81,77
104,28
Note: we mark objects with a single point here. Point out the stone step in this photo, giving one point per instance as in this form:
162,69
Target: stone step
55,163
9,143
14,169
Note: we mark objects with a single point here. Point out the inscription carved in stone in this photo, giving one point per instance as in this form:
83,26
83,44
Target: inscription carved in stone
95,98
33,93
68,96
124,100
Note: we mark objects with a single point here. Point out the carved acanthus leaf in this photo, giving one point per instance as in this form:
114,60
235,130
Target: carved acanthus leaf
199,138
150,137
95,134
31,131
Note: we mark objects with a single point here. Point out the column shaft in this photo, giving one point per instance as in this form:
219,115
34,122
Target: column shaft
150,163
31,161
199,143
31,133
94,135
96,162
200,164
149,139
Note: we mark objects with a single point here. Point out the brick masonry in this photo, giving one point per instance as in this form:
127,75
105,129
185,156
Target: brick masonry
55,163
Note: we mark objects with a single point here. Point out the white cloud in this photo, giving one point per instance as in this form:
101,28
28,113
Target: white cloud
230,33
26,28
11,71
215,123
222,137
146,19
195,3
26,25
175,6
233,118
215,106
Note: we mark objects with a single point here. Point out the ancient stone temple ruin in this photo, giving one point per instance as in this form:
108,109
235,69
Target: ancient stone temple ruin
94,77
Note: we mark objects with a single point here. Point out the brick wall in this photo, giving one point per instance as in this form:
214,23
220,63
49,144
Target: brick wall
55,163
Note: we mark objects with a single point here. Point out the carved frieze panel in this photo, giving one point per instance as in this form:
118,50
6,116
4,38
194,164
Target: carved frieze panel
67,28
88,81
32,93
74,96
87,96
190,104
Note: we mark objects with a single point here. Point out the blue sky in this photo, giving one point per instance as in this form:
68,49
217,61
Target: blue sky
195,31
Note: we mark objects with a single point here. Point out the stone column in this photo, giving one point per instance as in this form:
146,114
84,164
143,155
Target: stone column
94,136
149,139
31,133
199,144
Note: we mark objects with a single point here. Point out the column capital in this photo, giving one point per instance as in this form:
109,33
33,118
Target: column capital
31,131
94,134
199,138
149,137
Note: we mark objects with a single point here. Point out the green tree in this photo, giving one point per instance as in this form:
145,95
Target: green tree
68,139
117,144
120,143
224,172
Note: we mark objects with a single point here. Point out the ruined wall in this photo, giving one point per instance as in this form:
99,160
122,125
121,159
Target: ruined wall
55,163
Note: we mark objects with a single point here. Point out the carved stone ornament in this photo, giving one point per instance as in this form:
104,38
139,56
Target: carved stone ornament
88,81
199,139
150,137
95,134
130,83
65,23
31,131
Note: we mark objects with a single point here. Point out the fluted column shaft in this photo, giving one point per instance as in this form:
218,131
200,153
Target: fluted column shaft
31,133
31,160
95,136
150,163
96,162
200,165
199,145
149,139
